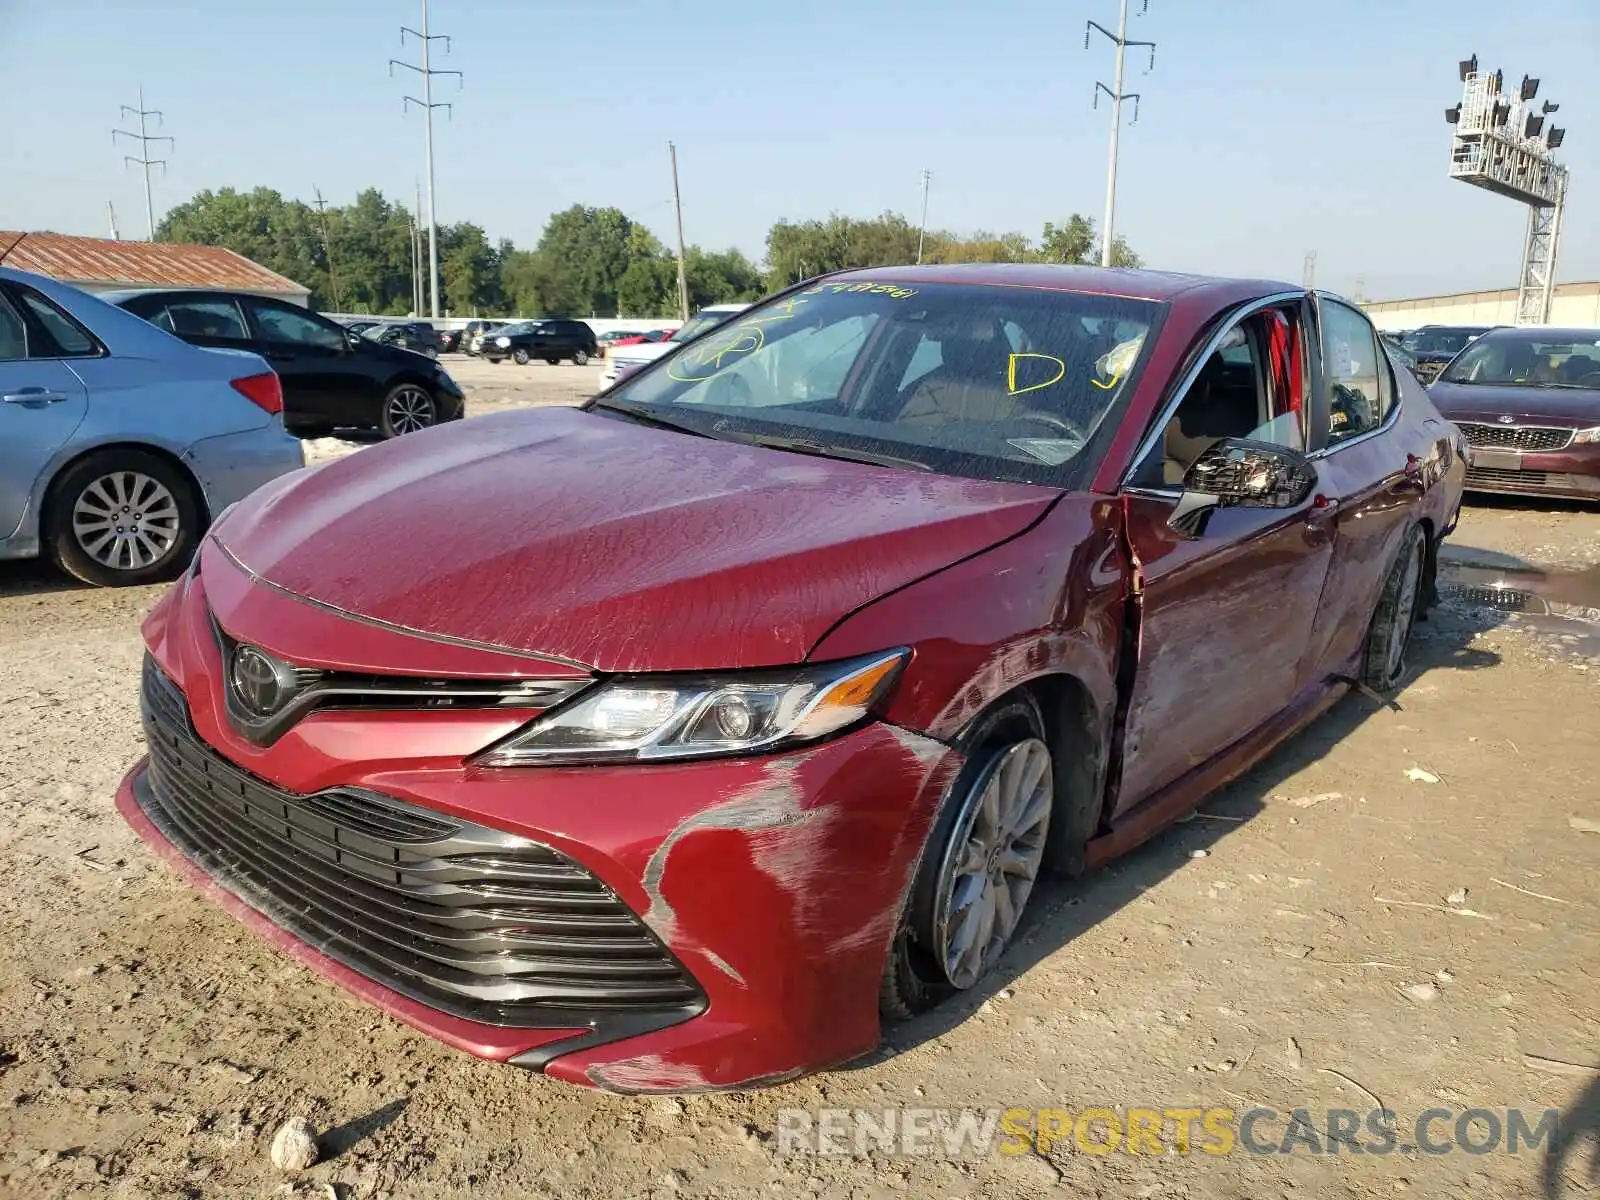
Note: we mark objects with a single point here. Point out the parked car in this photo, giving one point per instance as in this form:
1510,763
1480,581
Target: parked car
1434,346
331,377
759,691
1528,401
449,341
420,337
612,336
637,339
119,443
551,339
1401,355
472,337
361,326
620,362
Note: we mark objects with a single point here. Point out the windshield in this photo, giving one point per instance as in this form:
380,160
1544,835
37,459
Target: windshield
993,383
1439,341
698,324
1527,359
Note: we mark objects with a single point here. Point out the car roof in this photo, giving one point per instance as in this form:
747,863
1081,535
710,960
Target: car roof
1572,333
1107,281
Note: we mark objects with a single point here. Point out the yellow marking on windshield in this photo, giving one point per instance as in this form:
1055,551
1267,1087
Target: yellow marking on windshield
782,310
1011,373
892,290
712,352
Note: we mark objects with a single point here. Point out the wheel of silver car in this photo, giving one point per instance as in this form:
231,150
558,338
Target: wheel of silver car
122,517
408,408
991,860
581,358
1384,655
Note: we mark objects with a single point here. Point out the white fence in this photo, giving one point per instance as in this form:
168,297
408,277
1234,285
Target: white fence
598,324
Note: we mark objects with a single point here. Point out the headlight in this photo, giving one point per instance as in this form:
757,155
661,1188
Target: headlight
502,342
1587,437
644,719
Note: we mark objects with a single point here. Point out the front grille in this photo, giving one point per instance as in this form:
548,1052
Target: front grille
1532,438
1495,479
473,921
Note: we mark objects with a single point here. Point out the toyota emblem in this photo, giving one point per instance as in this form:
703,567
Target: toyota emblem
261,683
1506,419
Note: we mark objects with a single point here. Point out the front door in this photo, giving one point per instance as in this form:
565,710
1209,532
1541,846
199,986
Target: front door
324,382
1226,616
41,403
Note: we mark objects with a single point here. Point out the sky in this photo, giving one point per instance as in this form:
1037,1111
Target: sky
1265,130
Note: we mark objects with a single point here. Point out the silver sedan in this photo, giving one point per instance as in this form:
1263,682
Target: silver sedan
118,442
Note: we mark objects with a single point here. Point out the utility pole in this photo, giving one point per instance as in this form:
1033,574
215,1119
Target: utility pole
144,138
111,211
1308,278
427,105
677,201
327,250
922,227
418,286
1117,97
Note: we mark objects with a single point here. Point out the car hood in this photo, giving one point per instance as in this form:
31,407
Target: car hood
603,542
643,352
1564,407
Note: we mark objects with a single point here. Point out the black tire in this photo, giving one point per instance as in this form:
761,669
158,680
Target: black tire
1383,657
913,981
520,356
581,358
408,408
553,359
66,544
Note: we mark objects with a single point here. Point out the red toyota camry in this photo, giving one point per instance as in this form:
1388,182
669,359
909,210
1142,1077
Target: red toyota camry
669,743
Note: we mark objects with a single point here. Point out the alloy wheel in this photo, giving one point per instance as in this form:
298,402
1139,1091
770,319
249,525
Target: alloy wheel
409,409
126,520
1405,611
994,854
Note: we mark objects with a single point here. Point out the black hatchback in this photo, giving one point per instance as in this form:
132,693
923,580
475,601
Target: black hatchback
332,378
553,339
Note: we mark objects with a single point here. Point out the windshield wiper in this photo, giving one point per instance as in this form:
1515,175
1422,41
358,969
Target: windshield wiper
797,445
650,418
1578,387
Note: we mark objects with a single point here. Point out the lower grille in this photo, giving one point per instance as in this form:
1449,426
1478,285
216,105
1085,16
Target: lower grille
472,921
1532,438
1495,479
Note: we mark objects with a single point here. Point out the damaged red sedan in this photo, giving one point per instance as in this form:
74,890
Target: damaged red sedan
672,742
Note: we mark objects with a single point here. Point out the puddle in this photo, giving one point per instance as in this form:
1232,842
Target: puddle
1562,604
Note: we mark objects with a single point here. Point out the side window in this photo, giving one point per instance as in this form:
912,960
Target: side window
1351,370
286,325
204,318
72,340
1244,390
13,333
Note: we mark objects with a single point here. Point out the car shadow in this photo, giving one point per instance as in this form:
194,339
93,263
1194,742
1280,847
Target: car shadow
341,1138
1579,1124
1498,502
1061,910
35,577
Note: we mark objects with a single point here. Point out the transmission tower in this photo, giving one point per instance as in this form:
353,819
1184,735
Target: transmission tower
144,137
1120,38
1501,143
1308,277
427,105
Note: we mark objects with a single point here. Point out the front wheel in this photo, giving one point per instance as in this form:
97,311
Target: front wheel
581,358
1384,656
122,518
983,856
407,408
520,356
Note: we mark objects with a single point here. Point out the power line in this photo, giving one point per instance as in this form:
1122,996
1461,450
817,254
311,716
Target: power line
144,138
677,201
922,228
1117,97
427,105
327,250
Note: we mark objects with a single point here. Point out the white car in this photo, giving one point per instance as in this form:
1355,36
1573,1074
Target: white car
624,359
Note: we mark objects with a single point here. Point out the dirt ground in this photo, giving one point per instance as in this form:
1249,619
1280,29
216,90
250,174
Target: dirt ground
1327,932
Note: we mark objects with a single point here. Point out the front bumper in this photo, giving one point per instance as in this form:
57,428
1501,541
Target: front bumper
1570,474
776,884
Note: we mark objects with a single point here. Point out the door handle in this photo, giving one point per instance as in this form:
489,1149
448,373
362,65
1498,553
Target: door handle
33,397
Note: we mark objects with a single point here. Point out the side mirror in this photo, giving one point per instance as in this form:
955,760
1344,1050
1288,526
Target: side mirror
1239,473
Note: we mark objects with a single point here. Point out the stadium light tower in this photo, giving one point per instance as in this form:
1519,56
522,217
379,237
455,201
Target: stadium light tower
1504,144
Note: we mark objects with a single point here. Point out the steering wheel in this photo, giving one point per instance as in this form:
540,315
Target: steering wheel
729,391
1055,421
1590,380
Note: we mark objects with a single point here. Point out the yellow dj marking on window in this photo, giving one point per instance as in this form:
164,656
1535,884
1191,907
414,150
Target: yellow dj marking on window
781,311
737,343
892,290
1108,384
1011,373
